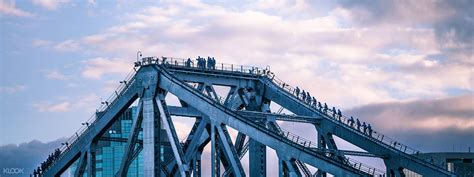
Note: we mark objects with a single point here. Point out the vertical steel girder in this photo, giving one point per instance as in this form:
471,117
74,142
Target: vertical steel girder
215,162
91,160
151,139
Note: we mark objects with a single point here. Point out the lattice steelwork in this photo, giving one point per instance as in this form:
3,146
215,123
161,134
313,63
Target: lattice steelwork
149,144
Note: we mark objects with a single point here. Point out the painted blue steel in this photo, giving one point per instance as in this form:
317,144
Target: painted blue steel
172,75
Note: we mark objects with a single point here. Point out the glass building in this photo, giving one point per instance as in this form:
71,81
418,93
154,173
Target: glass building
110,147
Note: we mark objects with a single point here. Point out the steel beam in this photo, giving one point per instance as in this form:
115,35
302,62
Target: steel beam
215,162
172,136
81,165
229,151
291,103
151,139
222,115
95,129
91,160
131,141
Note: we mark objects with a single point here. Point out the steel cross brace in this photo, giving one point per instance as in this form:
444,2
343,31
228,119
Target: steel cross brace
229,151
131,142
82,164
172,136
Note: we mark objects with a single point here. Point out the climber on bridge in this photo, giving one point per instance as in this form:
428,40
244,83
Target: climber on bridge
339,114
334,112
319,106
325,108
358,124
297,91
35,174
370,130
211,63
314,102
364,127
188,62
308,98
303,95
201,62
351,121
38,170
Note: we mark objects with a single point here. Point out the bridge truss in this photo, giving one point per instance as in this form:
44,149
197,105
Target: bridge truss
246,109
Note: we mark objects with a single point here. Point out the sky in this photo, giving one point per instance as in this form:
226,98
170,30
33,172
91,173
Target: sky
405,66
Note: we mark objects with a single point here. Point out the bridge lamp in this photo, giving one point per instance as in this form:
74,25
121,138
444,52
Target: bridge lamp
123,82
86,124
105,102
139,54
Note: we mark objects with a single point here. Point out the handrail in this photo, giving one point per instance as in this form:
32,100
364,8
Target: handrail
296,140
255,71
111,100
384,140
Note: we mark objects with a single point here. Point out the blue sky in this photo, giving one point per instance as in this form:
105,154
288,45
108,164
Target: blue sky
60,58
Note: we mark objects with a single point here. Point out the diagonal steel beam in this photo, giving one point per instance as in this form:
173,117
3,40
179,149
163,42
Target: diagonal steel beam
211,92
239,142
81,168
131,141
222,115
288,168
200,136
230,96
229,151
172,136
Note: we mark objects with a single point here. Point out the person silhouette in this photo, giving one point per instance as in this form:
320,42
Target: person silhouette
364,126
358,124
370,130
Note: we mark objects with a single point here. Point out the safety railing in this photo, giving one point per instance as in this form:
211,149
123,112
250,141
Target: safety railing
256,71
284,135
311,145
183,63
378,137
111,100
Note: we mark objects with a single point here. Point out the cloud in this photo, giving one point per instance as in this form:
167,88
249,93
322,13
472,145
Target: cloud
26,156
429,124
68,46
50,4
332,49
54,75
8,8
97,67
45,106
12,89
66,104
452,21
41,43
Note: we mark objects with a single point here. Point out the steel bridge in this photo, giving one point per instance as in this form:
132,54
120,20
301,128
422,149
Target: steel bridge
245,108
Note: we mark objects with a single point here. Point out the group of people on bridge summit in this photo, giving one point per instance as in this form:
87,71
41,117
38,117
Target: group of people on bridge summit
307,98
46,164
202,63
